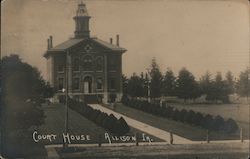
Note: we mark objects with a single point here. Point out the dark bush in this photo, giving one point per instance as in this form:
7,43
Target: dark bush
189,117
122,127
218,123
197,119
230,126
175,115
183,113
208,121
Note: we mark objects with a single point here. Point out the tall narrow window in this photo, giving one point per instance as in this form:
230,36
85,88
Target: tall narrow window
112,63
76,83
60,68
60,83
76,64
99,64
112,83
87,63
99,83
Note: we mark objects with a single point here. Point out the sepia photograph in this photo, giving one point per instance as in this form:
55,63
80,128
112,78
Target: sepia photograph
125,79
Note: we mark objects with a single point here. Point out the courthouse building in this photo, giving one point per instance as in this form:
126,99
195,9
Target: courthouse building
89,68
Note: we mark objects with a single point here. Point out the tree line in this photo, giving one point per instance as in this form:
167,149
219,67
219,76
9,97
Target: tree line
155,84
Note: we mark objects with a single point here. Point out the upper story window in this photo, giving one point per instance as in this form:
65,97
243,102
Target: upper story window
112,63
87,62
60,68
99,64
76,64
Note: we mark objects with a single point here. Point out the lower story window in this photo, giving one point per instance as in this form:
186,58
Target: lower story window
99,83
60,83
76,83
112,83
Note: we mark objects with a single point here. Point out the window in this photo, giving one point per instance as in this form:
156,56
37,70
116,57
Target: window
87,63
60,83
76,83
76,64
99,64
112,83
99,83
60,68
112,63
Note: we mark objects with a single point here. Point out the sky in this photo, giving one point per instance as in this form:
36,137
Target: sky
201,35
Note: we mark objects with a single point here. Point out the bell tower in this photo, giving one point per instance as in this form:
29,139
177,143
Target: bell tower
82,22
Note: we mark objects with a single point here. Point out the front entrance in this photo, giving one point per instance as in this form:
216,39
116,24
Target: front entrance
87,85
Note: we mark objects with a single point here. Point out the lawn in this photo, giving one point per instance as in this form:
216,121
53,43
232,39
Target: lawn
181,129
78,125
238,112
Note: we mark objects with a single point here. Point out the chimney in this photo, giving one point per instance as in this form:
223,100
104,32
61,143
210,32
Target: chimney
117,39
51,41
48,41
111,40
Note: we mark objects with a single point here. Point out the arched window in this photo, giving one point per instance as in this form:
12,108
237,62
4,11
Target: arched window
99,64
87,62
76,64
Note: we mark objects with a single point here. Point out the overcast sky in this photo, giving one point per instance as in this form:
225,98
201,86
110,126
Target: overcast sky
200,35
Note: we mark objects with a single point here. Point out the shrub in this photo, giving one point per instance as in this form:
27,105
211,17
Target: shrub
197,119
122,127
175,115
189,117
183,113
168,112
218,123
207,123
230,126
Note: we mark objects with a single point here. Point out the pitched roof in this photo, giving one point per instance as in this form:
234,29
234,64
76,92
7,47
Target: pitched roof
108,45
65,45
74,41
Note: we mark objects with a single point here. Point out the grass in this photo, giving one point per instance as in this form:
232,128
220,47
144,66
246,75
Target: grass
181,129
78,125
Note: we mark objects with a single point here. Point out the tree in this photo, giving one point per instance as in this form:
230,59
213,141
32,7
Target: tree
124,85
156,79
205,83
135,86
186,86
169,83
229,83
243,84
219,89
23,91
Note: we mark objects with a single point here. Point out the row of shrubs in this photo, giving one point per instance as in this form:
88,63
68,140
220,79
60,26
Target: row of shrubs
190,117
108,122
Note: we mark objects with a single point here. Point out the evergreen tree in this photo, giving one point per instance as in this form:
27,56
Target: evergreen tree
169,83
186,85
156,80
243,84
135,86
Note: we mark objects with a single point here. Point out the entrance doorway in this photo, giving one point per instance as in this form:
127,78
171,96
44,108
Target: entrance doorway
87,85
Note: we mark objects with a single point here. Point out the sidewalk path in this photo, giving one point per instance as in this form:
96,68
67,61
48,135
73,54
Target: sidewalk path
164,135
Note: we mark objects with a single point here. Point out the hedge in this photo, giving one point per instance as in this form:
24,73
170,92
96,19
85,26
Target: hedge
190,117
108,122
